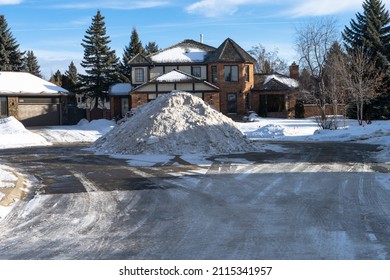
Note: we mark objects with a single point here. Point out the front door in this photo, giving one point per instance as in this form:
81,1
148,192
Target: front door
124,106
232,103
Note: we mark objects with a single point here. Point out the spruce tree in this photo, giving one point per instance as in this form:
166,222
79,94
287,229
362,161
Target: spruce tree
151,48
56,78
100,62
11,58
31,64
135,47
371,31
70,78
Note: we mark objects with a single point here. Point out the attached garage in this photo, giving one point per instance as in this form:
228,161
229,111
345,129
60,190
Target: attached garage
39,111
32,100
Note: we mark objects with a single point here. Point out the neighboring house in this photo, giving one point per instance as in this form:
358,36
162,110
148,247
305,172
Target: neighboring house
32,100
228,68
274,95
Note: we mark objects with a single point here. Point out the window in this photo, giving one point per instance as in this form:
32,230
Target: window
231,73
214,74
196,71
139,75
247,73
3,106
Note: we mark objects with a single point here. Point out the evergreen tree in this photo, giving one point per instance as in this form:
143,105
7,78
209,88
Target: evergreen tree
11,58
70,78
135,47
151,48
100,62
56,78
371,31
31,64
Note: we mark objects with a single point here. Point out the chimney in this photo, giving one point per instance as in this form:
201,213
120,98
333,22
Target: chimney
201,38
294,71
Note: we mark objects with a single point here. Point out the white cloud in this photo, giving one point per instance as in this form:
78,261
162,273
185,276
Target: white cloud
117,4
301,8
214,8
10,2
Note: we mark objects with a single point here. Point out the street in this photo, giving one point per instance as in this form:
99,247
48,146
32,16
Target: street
297,201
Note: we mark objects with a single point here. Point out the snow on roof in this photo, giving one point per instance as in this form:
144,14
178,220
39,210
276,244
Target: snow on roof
120,89
26,83
180,54
290,82
174,76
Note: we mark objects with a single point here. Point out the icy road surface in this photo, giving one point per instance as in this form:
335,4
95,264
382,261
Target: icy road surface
300,201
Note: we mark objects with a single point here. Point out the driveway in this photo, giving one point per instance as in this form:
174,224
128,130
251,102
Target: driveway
298,201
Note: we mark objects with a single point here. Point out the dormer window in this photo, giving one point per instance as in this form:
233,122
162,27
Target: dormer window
139,75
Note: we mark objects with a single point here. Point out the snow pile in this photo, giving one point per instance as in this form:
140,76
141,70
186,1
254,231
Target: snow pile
6,178
13,134
269,131
177,123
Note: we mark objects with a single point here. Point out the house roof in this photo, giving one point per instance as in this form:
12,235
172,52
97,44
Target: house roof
176,76
186,51
230,51
121,89
183,52
274,81
22,83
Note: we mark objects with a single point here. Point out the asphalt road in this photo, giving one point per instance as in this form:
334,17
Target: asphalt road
300,201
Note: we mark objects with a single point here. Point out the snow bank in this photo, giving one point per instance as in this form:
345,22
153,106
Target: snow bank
83,132
177,123
13,135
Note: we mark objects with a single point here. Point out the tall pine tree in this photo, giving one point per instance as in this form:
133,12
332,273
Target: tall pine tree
11,58
371,31
135,47
100,62
31,64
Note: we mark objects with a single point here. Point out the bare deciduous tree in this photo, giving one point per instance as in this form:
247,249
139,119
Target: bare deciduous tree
267,61
314,41
361,79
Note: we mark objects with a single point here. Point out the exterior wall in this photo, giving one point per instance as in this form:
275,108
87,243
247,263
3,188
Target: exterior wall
138,99
212,98
312,110
115,106
241,88
165,87
13,107
184,86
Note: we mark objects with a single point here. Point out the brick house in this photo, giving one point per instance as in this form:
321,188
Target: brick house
222,76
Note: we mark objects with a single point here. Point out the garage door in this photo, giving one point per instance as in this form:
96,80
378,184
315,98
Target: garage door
39,112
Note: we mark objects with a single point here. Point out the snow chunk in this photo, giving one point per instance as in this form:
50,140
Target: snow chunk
269,131
176,123
173,76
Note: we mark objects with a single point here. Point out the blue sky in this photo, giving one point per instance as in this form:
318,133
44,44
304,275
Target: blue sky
54,29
